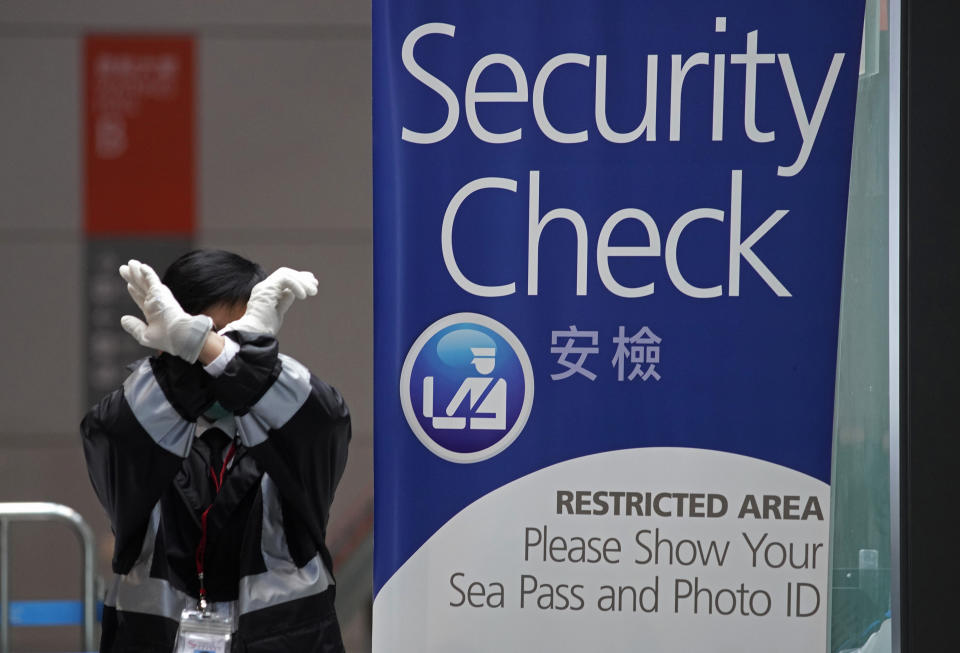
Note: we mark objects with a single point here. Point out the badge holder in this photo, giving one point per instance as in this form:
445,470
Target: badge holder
205,628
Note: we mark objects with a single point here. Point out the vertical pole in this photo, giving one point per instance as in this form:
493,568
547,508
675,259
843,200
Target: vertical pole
4,586
89,599
895,228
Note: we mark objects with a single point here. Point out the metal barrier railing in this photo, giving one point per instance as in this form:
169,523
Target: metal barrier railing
41,511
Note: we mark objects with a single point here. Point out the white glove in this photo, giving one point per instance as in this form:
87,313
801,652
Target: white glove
270,299
168,327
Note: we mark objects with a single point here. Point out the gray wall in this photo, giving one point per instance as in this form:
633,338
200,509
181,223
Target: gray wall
283,165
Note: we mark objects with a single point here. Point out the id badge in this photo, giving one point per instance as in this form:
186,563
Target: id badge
205,631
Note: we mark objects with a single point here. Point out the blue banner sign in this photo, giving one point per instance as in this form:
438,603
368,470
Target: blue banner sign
608,250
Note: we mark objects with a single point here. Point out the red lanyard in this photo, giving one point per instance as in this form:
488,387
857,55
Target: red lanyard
202,546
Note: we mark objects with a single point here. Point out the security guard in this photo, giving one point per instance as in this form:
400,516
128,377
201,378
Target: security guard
217,462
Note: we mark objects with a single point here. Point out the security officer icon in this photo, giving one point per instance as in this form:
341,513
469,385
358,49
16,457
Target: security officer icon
486,395
466,387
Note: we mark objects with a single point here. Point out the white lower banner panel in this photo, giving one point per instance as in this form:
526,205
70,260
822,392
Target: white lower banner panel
661,550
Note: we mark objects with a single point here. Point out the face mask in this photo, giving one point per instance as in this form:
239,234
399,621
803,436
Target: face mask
216,412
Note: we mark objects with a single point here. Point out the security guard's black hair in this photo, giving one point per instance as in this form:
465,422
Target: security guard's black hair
206,277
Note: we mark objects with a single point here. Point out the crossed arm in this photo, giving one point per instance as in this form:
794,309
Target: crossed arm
192,337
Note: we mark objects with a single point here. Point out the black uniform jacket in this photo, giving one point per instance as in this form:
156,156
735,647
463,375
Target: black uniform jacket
265,546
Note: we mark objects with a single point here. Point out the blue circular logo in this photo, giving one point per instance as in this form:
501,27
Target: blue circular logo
466,387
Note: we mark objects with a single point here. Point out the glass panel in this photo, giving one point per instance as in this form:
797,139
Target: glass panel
860,574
